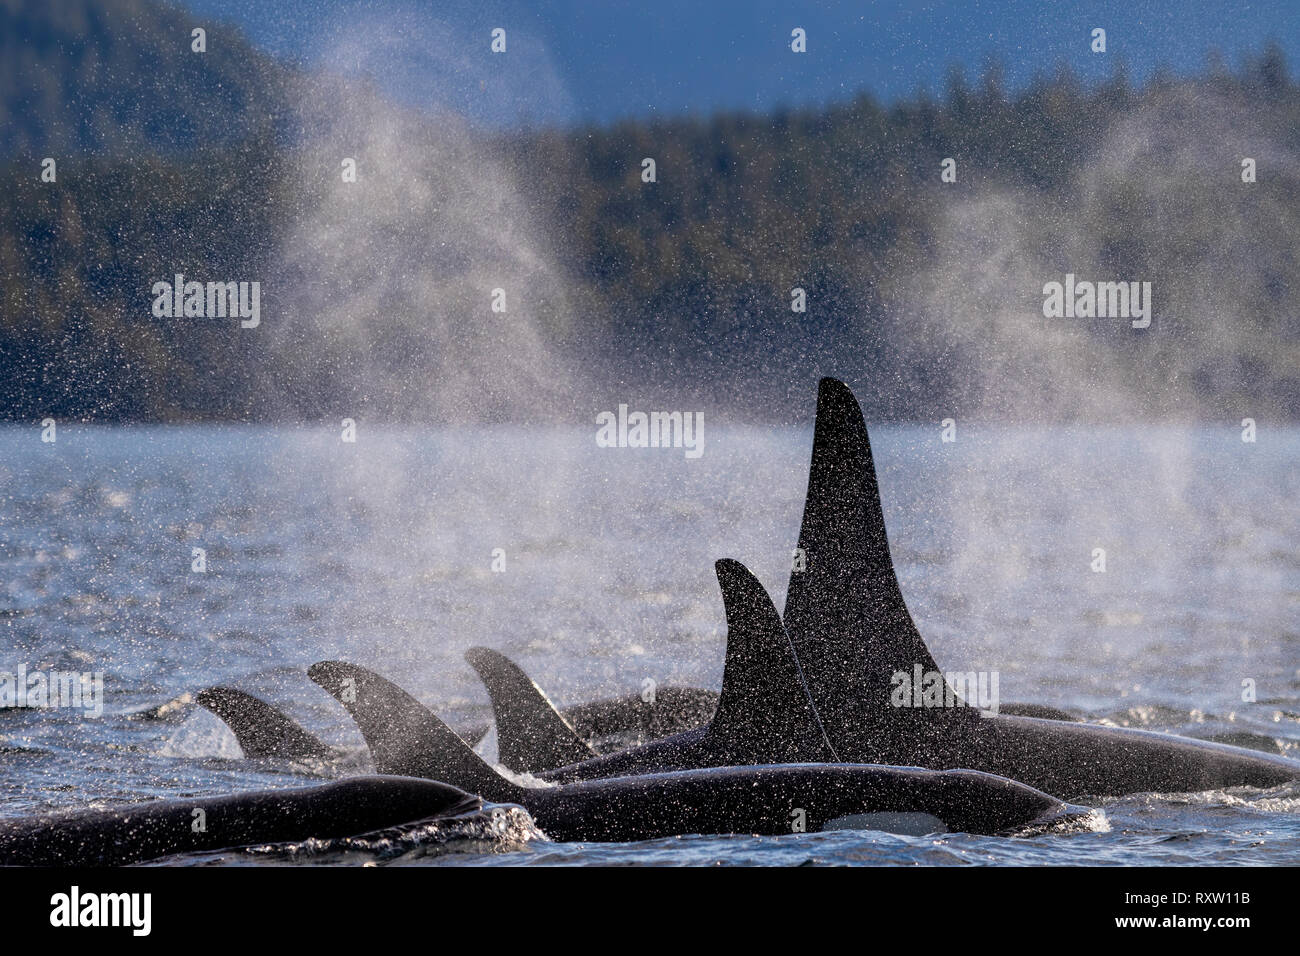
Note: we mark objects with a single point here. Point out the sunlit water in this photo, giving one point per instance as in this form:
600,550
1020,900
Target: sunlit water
381,552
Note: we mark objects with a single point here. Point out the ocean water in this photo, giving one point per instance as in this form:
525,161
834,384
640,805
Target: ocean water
381,552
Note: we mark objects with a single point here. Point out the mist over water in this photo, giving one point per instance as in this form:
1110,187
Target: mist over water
1159,200
388,283
385,286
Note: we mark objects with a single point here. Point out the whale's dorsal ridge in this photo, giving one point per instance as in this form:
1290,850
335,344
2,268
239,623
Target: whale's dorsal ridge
844,609
764,711
532,735
405,737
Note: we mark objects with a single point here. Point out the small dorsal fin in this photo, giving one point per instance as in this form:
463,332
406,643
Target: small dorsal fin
262,730
764,713
405,737
532,735
844,610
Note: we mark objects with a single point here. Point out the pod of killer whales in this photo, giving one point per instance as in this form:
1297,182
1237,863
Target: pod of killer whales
801,736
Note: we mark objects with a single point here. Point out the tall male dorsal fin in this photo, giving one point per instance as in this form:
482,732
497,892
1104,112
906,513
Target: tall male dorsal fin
532,735
262,730
764,713
405,737
844,610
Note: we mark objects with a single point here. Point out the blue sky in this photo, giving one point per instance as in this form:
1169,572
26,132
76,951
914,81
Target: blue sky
570,61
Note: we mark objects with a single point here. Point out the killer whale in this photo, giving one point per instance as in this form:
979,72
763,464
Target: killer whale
760,800
764,713
772,800
756,799
717,800
156,828
530,737
851,630
535,736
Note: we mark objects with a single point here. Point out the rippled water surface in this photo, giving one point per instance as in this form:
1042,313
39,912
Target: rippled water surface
381,552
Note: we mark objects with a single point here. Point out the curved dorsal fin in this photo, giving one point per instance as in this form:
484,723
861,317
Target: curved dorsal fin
262,730
764,713
844,610
405,737
532,735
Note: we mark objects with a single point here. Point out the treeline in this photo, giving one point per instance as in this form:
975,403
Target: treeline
918,290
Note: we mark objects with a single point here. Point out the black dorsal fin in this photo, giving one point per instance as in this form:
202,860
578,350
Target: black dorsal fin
532,735
262,730
405,737
764,713
844,610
